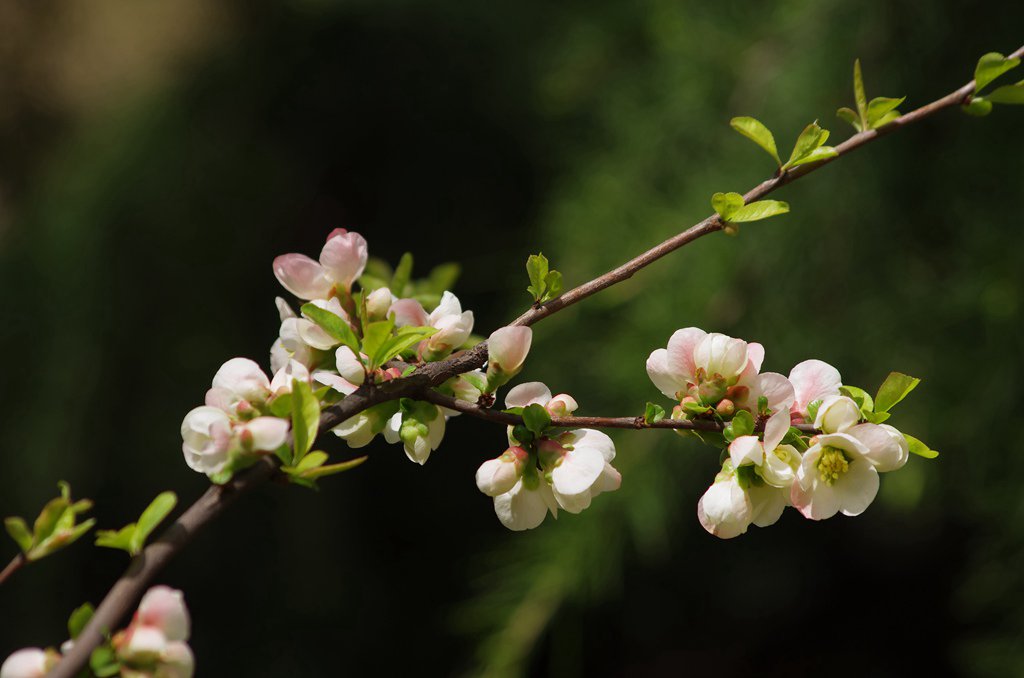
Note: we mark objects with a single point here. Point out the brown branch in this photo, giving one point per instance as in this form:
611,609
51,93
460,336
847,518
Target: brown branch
16,564
144,567
636,423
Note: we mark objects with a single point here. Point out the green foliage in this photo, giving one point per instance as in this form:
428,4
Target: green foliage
132,537
103,662
313,466
731,209
742,424
334,325
536,418
403,275
873,114
809,147
895,388
978,107
919,448
1008,94
990,66
653,413
406,338
54,528
78,619
545,284
757,132
305,417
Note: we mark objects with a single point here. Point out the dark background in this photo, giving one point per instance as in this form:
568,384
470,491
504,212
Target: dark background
155,157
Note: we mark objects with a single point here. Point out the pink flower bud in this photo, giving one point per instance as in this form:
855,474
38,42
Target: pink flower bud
498,476
378,302
562,405
27,663
343,257
507,349
164,608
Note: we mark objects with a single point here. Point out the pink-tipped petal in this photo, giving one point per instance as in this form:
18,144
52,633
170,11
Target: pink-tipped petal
302,276
681,346
530,393
409,312
813,380
344,257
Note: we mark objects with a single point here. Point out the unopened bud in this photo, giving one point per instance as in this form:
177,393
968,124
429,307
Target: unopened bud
713,389
377,304
507,349
725,408
498,476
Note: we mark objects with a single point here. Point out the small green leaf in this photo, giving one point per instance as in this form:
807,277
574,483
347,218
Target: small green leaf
991,66
726,204
443,277
978,107
811,138
537,270
859,95
919,448
762,209
403,274
894,389
849,115
741,425
653,413
817,155
116,539
395,345
312,460
103,662
536,418
553,282
376,335
154,514
18,529
305,418
876,417
812,410
78,619
880,108
756,131
696,408
281,405
332,469
1007,94
864,401
333,325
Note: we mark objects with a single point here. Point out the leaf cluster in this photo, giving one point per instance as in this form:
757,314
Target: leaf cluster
132,537
56,526
545,283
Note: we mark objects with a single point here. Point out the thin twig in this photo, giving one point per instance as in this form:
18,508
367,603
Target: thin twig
144,567
16,564
585,422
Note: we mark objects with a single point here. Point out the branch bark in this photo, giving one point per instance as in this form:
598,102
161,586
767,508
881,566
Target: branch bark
16,564
144,567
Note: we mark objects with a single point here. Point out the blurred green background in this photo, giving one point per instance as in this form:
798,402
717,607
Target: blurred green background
155,157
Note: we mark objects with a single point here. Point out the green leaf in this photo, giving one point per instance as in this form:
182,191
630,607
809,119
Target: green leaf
116,539
812,137
536,418
154,514
403,273
741,425
1007,94
653,413
850,116
816,155
78,619
49,518
859,95
876,417
312,460
812,410
305,419
762,209
443,277
919,448
537,270
726,204
395,345
880,108
281,405
756,131
864,401
894,389
553,282
333,325
978,107
333,469
696,408
376,335
18,529
103,662
991,66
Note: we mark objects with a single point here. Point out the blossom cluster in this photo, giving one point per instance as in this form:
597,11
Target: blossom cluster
770,463
154,645
542,471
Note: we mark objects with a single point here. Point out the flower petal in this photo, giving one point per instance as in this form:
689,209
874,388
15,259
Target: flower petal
344,257
813,380
681,346
577,472
858,487
532,392
746,449
665,378
302,276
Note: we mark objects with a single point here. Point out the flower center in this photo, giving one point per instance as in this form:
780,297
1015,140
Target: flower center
831,464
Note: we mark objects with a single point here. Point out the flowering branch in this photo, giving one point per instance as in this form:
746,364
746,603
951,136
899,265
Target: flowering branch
236,420
637,423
